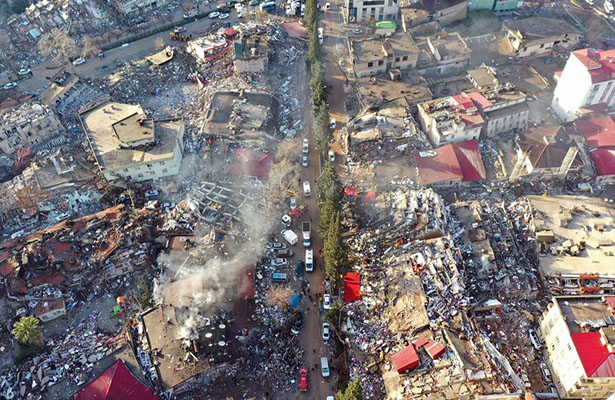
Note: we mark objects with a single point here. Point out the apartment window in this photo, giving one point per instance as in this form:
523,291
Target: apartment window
542,46
140,176
151,173
162,162
370,64
380,62
396,59
364,10
125,170
405,58
149,165
164,170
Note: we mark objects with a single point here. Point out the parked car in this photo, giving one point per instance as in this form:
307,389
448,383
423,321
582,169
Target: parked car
9,85
214,15
253,3
151,193
307,191
326,301
331,156
299,268
293,202
333,123
306,146
280,262
357,31
24,71
297,325
275,245
303,379
545,371
223,16
326,331
534,339
286,221
79,61
284,253
304,161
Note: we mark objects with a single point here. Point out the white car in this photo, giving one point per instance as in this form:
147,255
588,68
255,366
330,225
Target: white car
304,161
24,71
293,202
608,7
9,85
79,61
214,14
307,191
326,301
223,16
286,220
331,156
333,123
306,146
326,331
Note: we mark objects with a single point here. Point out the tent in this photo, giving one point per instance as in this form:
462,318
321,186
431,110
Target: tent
116,383
405,360
352,287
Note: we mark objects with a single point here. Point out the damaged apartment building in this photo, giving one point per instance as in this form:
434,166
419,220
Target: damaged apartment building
251,54
575,243
130,146
29,125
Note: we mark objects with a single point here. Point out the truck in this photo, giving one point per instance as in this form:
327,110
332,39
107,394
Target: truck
306,230
289,236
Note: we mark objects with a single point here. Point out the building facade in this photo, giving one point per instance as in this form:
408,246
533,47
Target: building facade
499,7
579,333
28,125
444,53
537,36
588,79
128,6
377,56
450,119
377,10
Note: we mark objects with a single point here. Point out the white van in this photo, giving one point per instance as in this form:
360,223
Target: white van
309,260
324,366
307,191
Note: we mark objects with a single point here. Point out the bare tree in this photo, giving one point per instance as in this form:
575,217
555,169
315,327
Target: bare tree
87,46
5,45
289,150
58,45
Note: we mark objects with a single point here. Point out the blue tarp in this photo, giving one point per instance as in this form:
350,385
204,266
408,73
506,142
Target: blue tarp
293,301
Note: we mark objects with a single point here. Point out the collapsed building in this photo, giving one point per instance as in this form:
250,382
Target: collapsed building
29,125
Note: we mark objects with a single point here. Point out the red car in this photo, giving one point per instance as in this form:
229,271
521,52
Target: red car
303,383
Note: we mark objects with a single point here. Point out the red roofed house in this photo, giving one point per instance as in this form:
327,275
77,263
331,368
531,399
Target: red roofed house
450,119
579,333
546,152
503,108
116,383
588,79
405,360
599,133
451,164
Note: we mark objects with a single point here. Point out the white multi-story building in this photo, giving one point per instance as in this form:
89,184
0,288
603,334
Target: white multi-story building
378,10
588,79
579,341
128,6
451,119
130,146
28,125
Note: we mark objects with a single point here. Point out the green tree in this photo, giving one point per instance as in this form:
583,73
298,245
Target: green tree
28,331
314,54
329,187
19,6
333,250
352,392
312,13
327,212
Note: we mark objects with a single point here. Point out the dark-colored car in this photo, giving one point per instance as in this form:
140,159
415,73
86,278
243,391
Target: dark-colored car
284,252
299,268
297,325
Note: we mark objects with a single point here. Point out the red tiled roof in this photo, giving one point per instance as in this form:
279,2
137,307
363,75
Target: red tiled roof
591,126
405,360
116,383
595,357
600,140
604,159
610,302
443,167
600,64
481,101
456,161
464,109
558,74
470,160
420,342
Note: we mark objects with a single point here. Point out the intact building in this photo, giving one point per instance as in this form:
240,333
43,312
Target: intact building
579,340
537,36
451,164
450,119
587,80
499,7
128,6
378,10
444,12
129,145
444,53
28,125
377,56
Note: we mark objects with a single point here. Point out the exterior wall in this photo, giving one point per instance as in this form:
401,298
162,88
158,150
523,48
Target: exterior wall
474,5
251,65
606,179
127,6
446,67
370,68
507,123
572,90
506,6
28,131
541,47
379,10
52,314
458,12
